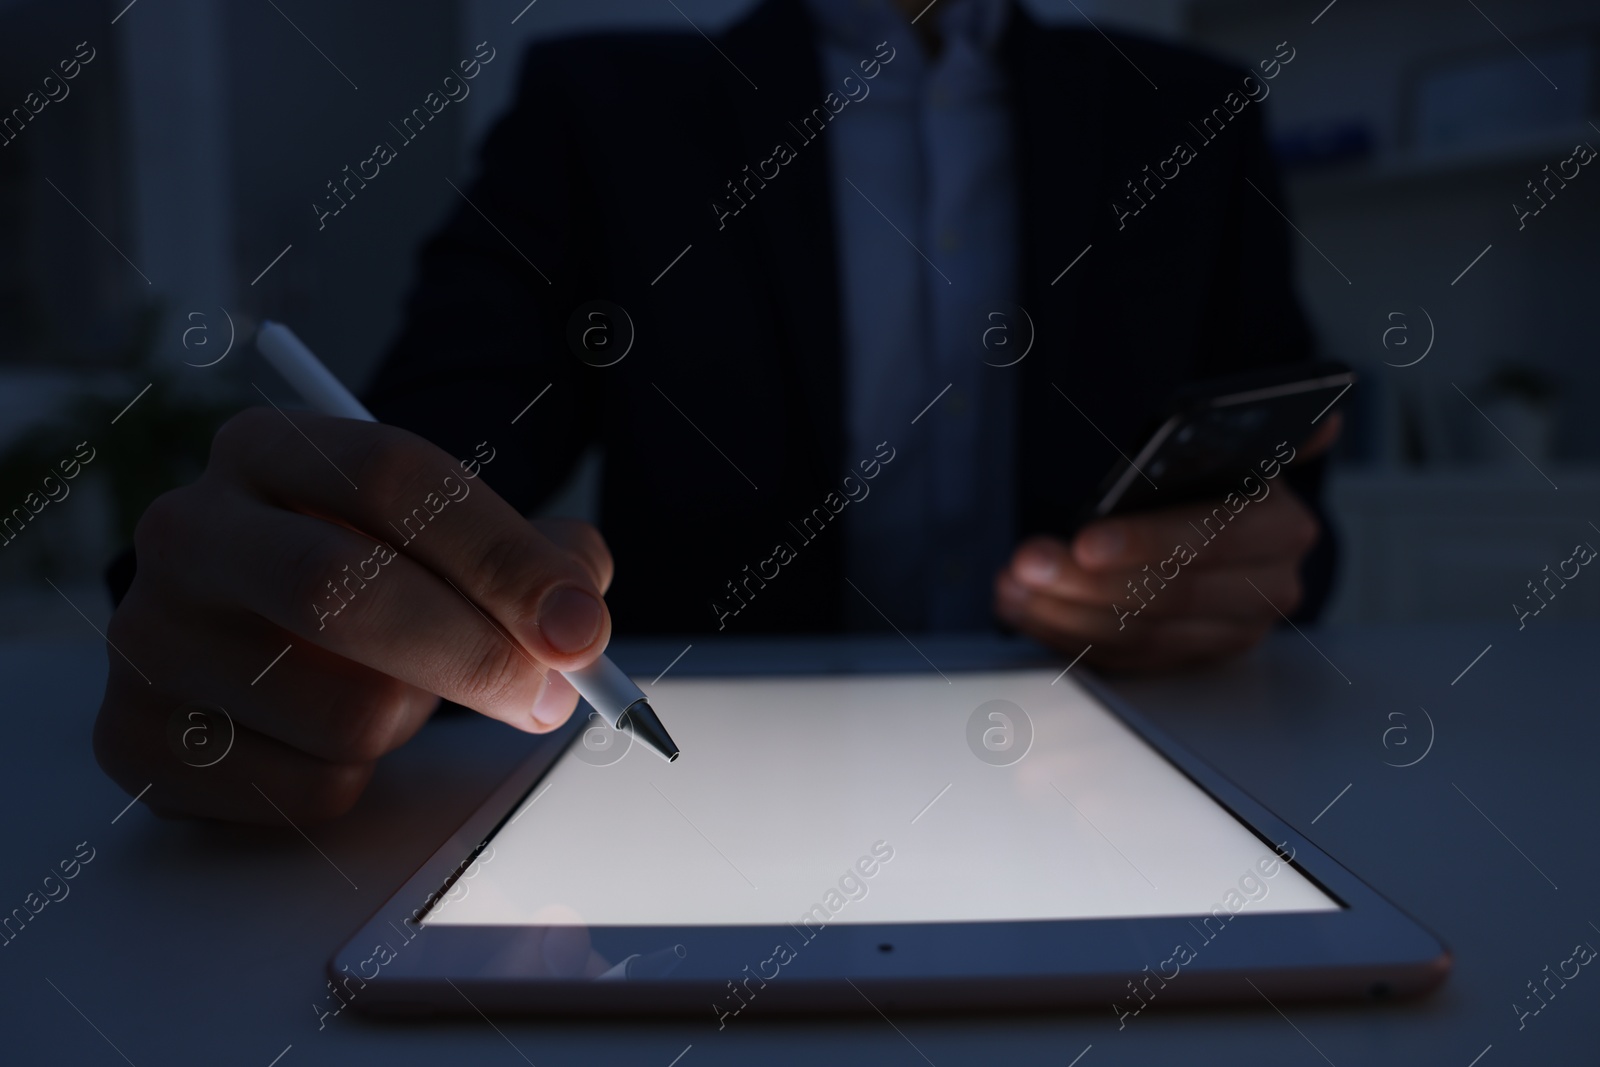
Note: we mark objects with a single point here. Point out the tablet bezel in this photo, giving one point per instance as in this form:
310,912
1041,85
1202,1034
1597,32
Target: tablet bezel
1366,949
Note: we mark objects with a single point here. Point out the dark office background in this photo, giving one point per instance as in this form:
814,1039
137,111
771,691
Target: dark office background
173,188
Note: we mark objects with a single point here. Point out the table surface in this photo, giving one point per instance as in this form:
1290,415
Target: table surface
196,943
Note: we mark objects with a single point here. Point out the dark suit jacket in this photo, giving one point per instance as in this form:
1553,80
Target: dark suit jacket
606,169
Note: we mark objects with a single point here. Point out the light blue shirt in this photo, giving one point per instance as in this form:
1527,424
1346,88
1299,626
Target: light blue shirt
925,218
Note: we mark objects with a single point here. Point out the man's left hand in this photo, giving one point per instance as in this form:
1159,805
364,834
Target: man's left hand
1232,590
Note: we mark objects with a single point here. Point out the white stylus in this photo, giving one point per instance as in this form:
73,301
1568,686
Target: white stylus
602,683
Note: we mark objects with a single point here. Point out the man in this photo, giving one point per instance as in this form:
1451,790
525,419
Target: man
802,242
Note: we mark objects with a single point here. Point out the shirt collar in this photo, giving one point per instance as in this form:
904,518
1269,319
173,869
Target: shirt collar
861,24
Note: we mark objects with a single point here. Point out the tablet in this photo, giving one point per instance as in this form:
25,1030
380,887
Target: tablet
965,839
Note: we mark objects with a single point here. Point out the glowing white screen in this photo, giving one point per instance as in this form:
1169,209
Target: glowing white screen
786,783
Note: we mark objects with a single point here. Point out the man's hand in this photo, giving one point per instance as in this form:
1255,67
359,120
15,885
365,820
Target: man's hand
420,583
1191,600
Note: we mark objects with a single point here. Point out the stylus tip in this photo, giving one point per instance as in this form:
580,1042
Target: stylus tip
647,728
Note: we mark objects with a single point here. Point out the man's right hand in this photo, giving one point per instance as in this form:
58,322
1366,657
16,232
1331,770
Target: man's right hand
279,546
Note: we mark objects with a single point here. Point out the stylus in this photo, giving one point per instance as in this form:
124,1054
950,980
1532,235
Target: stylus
657,964
601,683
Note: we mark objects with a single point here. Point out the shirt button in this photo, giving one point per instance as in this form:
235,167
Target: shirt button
949,241
957,404
953,572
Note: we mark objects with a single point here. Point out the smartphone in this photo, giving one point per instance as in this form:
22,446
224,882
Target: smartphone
1219,431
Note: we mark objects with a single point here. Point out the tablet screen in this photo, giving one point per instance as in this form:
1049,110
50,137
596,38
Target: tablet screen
878,799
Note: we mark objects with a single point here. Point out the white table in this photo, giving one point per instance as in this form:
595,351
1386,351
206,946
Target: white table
188,943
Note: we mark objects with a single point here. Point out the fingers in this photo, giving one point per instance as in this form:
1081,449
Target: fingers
1170,588
325,598
284,687
401,490
556,701
130,743
1235,603
1274,525
1029,609
1322,439
1168,615
1141,642
348,595
1246,592
303,726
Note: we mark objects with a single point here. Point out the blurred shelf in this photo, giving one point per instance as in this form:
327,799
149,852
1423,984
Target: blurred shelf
1459,543
1453,479
1383,173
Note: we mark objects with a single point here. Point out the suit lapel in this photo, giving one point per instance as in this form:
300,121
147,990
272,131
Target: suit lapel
793,216
1058,108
